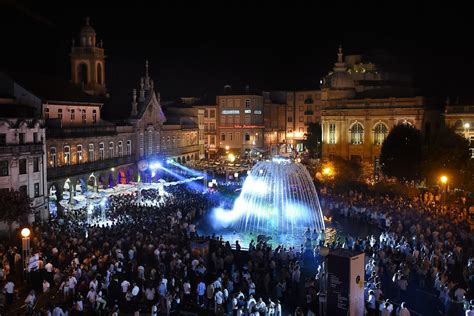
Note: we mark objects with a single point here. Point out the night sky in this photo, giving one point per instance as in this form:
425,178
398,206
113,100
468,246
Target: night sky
195,49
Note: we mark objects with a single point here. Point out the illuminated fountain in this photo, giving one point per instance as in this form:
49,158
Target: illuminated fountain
278,199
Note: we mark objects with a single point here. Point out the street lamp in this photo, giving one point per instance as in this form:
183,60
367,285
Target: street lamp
327,171
324,252
25,242
444,181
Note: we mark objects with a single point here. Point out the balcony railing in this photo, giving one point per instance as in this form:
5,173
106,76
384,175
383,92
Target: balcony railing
20,149
179,150
71,170
81,131
308,101
308,112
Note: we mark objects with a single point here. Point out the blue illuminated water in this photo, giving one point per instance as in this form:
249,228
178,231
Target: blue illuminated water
278,199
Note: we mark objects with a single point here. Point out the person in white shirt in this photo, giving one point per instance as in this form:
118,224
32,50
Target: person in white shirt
91,296
470,310
219,300
10,291
201,290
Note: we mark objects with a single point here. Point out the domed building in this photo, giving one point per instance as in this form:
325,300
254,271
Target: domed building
338,84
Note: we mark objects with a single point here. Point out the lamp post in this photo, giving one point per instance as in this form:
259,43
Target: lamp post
444,181
323,251
25,242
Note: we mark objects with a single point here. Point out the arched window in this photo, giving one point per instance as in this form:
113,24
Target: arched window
82,73
357,134
99,73
380,132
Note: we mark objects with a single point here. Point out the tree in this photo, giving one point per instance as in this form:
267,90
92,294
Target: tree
448,153
314,139
14,206
401,153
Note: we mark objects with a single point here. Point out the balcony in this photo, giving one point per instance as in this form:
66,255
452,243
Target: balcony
308,112
71,170
179,150
308,101
16,149
81,131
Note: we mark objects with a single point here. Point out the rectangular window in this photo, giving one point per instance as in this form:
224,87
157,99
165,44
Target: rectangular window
21,137
212,127
94,116
111,150
247,103
206,113
332,133
247,137
301,108
52,154
35,137
300,97
290,119
60,114
73,115
84,121
3,139
212,113
79,153
23,190
67,155
3,168
223,137
37,190
213,140
230,136
22,166
120,148
101,151
129,147
35,164
301,118
90,157
46,113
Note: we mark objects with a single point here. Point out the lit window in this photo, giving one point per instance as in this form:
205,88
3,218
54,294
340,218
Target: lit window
380,132
332,133
357,134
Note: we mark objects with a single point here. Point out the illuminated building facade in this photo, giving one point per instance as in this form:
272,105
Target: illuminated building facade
240,120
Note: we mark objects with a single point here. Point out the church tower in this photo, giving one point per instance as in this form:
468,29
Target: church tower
88,62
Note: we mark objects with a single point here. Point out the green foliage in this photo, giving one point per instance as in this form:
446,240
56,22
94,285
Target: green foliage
14,205
314,139
446,153
348,175
401,153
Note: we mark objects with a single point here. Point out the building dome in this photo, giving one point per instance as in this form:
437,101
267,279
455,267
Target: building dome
87,29
339,78
340,81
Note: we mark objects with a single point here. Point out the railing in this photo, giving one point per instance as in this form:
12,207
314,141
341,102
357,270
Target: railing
81,131
179,150
308,101
308,112
459,109
66,171
23,148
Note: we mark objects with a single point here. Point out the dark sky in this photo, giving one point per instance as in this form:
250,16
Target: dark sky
199,47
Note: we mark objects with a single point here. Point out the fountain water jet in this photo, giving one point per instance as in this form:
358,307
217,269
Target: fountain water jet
278,198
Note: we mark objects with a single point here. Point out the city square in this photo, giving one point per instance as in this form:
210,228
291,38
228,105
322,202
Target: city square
146,170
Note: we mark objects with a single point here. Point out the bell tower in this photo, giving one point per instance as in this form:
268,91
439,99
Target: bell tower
88,62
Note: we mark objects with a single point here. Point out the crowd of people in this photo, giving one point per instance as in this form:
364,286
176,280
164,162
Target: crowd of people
152,260
425,250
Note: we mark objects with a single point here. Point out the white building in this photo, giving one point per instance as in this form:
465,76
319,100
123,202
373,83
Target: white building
22,153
